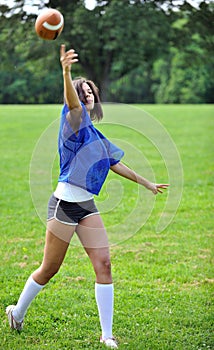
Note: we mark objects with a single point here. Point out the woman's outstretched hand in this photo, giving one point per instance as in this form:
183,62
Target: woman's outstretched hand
67,58
156,188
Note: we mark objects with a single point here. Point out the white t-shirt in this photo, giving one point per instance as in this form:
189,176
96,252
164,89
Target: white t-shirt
71,193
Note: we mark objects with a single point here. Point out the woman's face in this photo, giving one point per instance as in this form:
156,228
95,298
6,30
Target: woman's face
88,96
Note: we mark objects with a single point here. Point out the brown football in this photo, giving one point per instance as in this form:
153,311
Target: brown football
49,24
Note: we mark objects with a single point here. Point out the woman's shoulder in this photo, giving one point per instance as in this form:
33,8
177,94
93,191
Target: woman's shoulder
65,110
84,129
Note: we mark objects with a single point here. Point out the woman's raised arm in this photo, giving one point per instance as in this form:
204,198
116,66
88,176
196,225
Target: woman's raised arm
67,58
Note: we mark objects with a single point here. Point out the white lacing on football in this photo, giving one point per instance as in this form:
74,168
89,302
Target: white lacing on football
55,27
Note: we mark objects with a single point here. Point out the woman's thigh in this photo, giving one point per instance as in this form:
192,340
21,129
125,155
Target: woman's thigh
61,230
92,233
55,249
54,253
93,237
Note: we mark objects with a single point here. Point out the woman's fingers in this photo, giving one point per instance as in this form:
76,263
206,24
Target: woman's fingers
159,187
162,185
68,57
62,50
72,56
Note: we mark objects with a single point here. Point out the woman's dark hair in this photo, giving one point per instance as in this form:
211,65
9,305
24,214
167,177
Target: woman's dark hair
97,112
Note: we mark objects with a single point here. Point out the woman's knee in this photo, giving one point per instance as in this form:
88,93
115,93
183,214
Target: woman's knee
50,272
45,273
103,266
102,270
107,264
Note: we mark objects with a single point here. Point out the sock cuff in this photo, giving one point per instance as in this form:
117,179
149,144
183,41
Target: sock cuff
100,285
31,280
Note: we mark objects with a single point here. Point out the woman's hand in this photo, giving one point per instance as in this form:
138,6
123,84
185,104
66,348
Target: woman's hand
156,188
67,58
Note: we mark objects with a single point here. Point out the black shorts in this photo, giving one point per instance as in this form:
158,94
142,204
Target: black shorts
68,212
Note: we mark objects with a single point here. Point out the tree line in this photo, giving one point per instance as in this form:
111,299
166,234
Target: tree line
136,51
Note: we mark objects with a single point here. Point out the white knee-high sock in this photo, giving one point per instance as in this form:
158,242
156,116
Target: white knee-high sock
104,294
31,289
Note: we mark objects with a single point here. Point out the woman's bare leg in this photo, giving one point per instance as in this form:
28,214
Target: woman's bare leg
93,237
54,253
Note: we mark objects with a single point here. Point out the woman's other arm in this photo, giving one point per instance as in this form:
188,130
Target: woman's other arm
122,170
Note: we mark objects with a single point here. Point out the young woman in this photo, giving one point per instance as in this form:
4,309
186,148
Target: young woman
85,159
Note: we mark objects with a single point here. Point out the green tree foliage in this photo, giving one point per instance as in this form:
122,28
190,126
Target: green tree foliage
115,39
186,74
136,51
27,69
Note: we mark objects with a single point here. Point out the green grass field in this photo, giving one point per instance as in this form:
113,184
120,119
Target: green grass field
163,281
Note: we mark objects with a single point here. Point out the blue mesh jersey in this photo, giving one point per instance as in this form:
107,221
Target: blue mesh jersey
85,159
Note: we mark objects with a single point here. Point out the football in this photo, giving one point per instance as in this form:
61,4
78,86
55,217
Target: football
49,24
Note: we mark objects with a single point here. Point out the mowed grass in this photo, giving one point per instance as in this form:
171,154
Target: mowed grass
163,281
